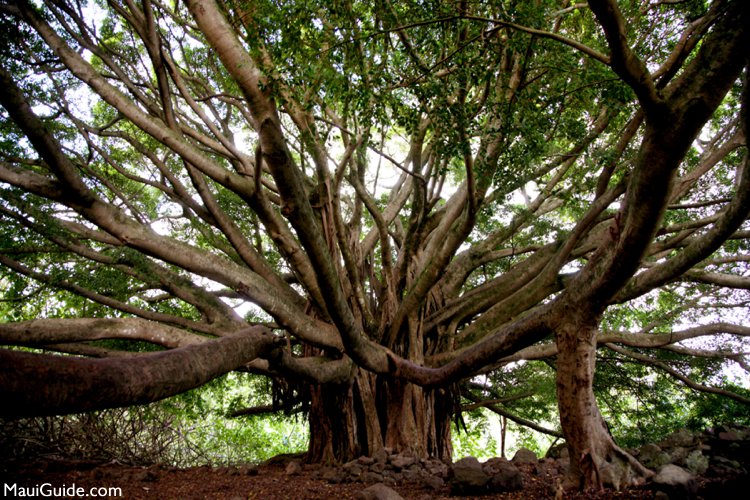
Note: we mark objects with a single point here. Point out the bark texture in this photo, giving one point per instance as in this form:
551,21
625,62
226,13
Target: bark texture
373,413
595,460
41,384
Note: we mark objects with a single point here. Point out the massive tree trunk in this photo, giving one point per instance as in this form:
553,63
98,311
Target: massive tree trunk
373,413
595,459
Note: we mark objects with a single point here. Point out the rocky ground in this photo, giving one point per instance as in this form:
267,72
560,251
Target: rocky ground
712,464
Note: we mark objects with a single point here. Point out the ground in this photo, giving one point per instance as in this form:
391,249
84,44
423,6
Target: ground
269,481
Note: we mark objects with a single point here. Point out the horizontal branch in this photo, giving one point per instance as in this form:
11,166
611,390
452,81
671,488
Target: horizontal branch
255,410
642,340
679,376
519,420
40,384
719,279
63,330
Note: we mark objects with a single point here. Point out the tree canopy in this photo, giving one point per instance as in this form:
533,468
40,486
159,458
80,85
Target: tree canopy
407,201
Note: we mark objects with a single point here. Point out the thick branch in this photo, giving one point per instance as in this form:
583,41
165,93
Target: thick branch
47,331
40,384
295,205
623,61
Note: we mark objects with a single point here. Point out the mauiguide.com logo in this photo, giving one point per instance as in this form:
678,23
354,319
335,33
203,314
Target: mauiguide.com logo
47,490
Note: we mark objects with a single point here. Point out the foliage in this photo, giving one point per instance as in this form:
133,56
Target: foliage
190,429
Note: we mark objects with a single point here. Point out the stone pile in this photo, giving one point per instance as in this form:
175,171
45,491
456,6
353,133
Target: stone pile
388,468
465,477
683,461
683,456
497,475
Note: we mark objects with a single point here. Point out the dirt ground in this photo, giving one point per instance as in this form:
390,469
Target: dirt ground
245,482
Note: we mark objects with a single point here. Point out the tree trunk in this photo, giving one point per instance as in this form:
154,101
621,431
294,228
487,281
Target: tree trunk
595,460
373,413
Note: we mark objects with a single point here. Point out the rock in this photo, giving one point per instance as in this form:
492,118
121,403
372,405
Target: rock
412,474
402,461
726,462
729,435
366,461
378,492
433,482
676,482
248,470
678,455
524,456
556,451
333,475
682,437
144,476
378,467
468,478
494,465
380,456
697,462
396,476
563,466
652,456
353,469
369,477
508,478
436,468
293,468
616,474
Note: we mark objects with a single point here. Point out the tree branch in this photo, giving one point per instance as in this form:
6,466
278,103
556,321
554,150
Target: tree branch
38,332
679,376
39,384
510,416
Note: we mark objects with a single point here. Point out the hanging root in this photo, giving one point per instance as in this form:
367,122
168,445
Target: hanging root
620,470
614,469
589,471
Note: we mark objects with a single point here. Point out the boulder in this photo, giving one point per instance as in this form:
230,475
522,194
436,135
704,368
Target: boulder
293,468
380,456
676,482
652,456
353,469
433,482
559,450
524,456
730,435
680,438
402,461
378,492
697,462
369,477
468,478
436,467
333,475
507,478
